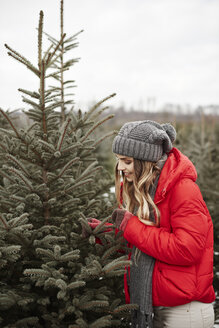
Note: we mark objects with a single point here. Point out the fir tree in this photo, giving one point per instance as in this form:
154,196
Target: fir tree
51,275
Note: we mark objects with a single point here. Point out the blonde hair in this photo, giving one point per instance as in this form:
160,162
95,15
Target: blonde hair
136,194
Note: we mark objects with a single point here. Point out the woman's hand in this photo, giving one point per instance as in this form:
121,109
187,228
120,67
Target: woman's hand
121,218
93,223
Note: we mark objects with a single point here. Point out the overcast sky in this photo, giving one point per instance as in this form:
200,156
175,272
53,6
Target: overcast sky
141,49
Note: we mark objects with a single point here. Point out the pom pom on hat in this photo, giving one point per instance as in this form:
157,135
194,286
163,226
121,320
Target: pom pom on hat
144,140
170,131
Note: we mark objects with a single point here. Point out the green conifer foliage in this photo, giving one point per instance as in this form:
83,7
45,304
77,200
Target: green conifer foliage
54,270
5,125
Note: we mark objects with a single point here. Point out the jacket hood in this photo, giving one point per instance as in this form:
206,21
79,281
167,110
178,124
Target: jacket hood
177,167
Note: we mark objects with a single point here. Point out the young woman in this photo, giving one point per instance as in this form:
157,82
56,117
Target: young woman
166,222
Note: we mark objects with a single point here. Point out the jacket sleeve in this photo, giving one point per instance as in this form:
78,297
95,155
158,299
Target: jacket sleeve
185,242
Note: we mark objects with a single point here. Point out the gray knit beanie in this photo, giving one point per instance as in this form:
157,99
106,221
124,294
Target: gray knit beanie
145,140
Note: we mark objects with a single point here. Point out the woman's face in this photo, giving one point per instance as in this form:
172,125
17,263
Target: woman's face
126,165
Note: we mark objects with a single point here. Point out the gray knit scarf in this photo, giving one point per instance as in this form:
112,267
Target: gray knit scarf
141,276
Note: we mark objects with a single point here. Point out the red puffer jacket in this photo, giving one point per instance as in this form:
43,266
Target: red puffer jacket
183,243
